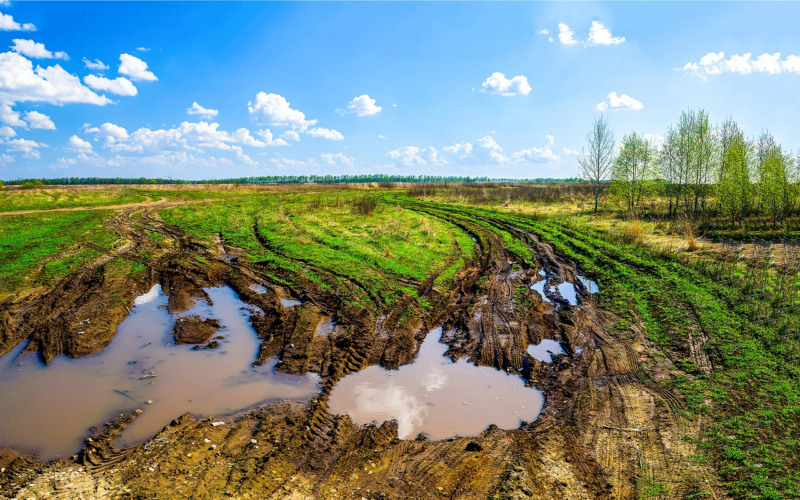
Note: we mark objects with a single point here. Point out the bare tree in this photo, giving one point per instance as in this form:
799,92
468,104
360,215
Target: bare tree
596,163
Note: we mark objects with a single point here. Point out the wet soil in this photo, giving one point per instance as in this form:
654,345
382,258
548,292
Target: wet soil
194,330
608,421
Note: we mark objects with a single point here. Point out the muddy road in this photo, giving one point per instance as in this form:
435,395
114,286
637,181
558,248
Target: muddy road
607,428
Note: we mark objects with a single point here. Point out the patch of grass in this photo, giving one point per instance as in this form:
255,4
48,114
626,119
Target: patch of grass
36,249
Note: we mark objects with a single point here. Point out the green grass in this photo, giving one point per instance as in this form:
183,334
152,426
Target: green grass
44,199
374,257
36,249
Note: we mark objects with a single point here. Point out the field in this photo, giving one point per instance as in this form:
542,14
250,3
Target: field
679,378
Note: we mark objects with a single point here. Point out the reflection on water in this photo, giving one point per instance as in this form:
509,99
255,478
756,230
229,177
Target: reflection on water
567,291
590,285
258,288
436,396
290,302
539,287
49,409
544,350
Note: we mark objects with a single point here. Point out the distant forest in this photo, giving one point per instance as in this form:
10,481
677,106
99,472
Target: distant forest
285,179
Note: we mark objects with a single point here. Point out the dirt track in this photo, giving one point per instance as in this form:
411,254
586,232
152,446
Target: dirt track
608,427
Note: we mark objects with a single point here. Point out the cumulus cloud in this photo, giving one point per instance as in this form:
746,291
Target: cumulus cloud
39,120
197,109
414,156
20,82
565,35
543,31
324,133
6,159
535,155
291,135
363,105
270,141
499,84
7,23
7,131
549,139
35,50
715,63
337,160
135,68
79,145
96,65
187,137
25,146
613,102
274,109
600,35
119,85
11,117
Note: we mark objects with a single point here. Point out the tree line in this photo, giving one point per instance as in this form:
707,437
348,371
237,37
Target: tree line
287,179
698,169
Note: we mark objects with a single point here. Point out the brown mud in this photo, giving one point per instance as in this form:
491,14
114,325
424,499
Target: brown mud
608,427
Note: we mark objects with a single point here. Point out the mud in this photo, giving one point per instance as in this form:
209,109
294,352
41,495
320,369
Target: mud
608,421
194,329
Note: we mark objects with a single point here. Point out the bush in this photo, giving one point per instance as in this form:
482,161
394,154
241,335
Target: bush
27,185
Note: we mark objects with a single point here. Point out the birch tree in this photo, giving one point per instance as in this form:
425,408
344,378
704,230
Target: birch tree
633,169
597,161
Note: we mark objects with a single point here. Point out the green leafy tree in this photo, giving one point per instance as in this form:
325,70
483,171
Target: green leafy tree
735,192
634,169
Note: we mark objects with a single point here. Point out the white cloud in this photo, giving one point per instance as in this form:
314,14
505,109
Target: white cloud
571,152
337,160
600,35
96,65
363,106
135,68
412,156
19,82
544,31
6,159
566,35
110,132
462,150
715,63
143,49
119,85
274,109
291,135
549,139
270,141
499,84
35,50
188,136
614,102
656,139
26,146
39,120
535,155
79,145
324,133
381,137
197,109
11,117
7,23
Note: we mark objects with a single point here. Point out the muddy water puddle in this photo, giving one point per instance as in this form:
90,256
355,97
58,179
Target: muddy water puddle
545,350
49,409
436,396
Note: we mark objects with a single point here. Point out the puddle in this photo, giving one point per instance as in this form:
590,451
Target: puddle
567,291
542,273
544,351
290,302
539,287
325,327
49,409
436,396
591,285
258,288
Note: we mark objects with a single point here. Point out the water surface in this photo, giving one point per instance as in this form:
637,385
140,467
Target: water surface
545,350
50,409
436,396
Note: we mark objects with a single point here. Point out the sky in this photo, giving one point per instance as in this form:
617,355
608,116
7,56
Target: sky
217,90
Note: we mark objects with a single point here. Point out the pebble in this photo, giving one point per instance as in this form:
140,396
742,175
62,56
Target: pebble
149,401
253,441
215,424
213,447
207,440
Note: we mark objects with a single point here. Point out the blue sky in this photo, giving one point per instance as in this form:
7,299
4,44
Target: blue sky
496,89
